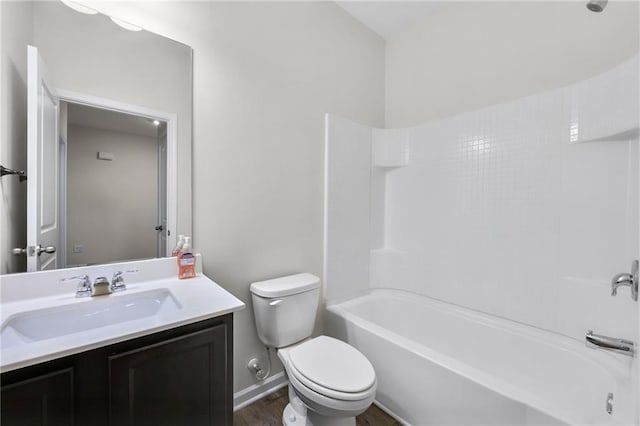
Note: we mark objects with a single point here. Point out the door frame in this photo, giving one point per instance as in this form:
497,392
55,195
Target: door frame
172,153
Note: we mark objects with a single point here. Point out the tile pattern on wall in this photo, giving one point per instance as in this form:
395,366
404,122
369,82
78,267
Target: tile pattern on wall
524,210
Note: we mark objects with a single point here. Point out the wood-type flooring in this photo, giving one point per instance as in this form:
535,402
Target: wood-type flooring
268,412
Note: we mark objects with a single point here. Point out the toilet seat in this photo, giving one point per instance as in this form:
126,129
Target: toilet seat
325,392
332,368
329,370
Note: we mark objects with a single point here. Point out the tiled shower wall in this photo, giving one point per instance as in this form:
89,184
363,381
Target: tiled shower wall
524,210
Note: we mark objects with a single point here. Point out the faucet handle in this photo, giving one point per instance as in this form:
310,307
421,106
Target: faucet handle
627,279
84,286
117,282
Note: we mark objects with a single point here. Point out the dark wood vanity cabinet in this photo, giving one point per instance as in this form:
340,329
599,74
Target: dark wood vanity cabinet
164,384
175,377
41,400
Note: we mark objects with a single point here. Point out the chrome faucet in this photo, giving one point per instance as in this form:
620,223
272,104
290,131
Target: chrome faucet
627,279
84,285
99,287
117,282
626,347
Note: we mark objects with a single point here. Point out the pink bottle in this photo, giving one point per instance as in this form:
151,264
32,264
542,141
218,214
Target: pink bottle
186,261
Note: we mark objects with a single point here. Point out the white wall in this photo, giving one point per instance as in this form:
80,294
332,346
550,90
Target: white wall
468,55
111,205
265,73
15,33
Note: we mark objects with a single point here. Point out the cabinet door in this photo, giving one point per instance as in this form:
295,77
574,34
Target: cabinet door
42,400
181,381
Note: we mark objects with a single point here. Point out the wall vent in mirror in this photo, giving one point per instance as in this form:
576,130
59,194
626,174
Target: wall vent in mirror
107,156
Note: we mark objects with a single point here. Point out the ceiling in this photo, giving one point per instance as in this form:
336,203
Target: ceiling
388,18
87,116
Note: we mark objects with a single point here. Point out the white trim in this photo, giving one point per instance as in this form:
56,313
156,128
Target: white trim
258,391
62,206
32,160
391,413
325,207
172,147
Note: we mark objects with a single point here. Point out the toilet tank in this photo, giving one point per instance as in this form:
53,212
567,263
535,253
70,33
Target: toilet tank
285,308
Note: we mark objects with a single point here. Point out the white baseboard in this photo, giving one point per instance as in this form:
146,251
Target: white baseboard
254,392
392,414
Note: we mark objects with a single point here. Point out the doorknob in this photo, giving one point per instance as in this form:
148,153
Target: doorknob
47,249
159,228
31,251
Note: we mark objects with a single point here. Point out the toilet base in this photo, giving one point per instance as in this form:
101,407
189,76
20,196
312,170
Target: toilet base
291,418
297,414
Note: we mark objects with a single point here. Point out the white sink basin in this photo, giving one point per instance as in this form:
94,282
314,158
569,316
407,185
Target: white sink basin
87,314
41,320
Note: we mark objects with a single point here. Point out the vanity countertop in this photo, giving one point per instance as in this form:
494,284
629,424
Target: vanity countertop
43,320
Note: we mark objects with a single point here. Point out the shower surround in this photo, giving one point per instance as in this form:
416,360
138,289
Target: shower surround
522,210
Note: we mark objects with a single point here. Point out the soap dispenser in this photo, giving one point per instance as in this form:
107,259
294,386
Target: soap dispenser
178,247
186,261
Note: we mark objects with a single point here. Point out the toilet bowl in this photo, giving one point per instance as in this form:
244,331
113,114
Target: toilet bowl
330,381
330,377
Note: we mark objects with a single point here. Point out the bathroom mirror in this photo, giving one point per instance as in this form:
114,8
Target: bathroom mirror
95,62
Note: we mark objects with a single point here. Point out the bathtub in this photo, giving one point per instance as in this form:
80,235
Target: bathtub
441,364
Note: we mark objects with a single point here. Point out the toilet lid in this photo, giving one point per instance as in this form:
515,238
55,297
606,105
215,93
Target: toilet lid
333,364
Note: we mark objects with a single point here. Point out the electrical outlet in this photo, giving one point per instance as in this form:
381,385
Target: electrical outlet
78,248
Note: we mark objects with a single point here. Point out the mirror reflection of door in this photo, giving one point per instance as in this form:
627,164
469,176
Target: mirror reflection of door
42,216
115,185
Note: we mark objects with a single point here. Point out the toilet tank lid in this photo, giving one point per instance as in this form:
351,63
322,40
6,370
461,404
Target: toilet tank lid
285,286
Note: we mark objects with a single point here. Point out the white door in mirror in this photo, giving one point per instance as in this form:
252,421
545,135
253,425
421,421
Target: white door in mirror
42,167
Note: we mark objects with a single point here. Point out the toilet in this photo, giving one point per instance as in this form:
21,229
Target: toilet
330,381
